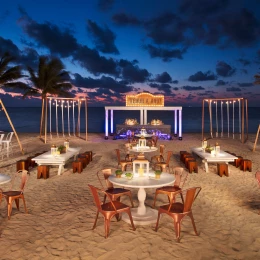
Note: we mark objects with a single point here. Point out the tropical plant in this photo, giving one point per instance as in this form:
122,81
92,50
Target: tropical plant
10,75
118,172
257,79
51,78
157,172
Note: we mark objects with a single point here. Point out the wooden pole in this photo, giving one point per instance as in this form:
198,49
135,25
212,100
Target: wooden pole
242,120
10,122
256,138
86,118
45,125
202,120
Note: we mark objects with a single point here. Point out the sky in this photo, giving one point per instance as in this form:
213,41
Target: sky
187,50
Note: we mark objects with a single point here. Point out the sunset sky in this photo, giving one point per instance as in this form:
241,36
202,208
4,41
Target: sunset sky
185,49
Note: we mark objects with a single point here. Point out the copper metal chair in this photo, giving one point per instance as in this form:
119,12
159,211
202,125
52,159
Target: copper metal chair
129,157
180,179
177,210
14,194
257,176
115,193
158,157
109,209
121,163
164,164
153,141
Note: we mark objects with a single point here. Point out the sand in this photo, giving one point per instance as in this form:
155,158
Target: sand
62,212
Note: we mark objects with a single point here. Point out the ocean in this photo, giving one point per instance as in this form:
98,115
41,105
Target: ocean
27,119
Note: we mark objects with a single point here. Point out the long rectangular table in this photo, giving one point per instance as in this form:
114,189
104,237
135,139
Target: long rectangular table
58,160
211,158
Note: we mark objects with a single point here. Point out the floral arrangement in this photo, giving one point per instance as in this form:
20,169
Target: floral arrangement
130,121
156,122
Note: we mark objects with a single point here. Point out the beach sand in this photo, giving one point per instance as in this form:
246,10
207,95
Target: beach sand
62,212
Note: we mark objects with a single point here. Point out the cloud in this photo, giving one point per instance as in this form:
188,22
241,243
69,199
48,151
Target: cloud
190,88
8,46
202,7
245,85
131,72
221,83
50,36
166,28
103,82
225,70
163,78
105,4
200,76
94,63
244,62
166,54
123,19
166,88
104,38
233,89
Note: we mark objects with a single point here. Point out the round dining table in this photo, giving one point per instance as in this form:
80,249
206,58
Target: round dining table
4,178
143,215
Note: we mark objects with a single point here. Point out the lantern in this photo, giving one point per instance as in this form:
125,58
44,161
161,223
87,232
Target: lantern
217,149
66,144
204,143
53,149
143,167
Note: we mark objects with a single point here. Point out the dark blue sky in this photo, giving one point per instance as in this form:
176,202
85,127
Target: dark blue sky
187,49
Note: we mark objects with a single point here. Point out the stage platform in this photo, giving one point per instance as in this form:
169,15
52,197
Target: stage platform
162,131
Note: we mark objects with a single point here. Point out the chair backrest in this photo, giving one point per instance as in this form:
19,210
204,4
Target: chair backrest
257,176
24,176
118,155
154,140
169,154
95,195
161,149
180,176
9,136
190,195
1,137
103,176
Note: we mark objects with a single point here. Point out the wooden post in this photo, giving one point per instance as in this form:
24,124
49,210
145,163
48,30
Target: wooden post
202,124
10,122
256,138
86,118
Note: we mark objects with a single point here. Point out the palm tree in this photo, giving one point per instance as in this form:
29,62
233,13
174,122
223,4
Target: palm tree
9,75
257,79
51,78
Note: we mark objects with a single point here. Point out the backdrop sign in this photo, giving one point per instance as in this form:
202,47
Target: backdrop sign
144,99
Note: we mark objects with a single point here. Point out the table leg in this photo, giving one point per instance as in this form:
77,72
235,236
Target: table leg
141,210
142,215
61,169
206,165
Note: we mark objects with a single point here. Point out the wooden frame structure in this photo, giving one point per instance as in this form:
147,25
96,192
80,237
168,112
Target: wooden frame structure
75,103
256,138
242,116
12,126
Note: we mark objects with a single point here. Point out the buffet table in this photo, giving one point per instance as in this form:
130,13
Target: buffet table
163,131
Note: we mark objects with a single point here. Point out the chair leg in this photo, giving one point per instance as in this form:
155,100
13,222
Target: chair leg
177,227
105,197
24,204
107,226
157,223
131,219
193,223
154,200
95,223
17,203
9,207
132,203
